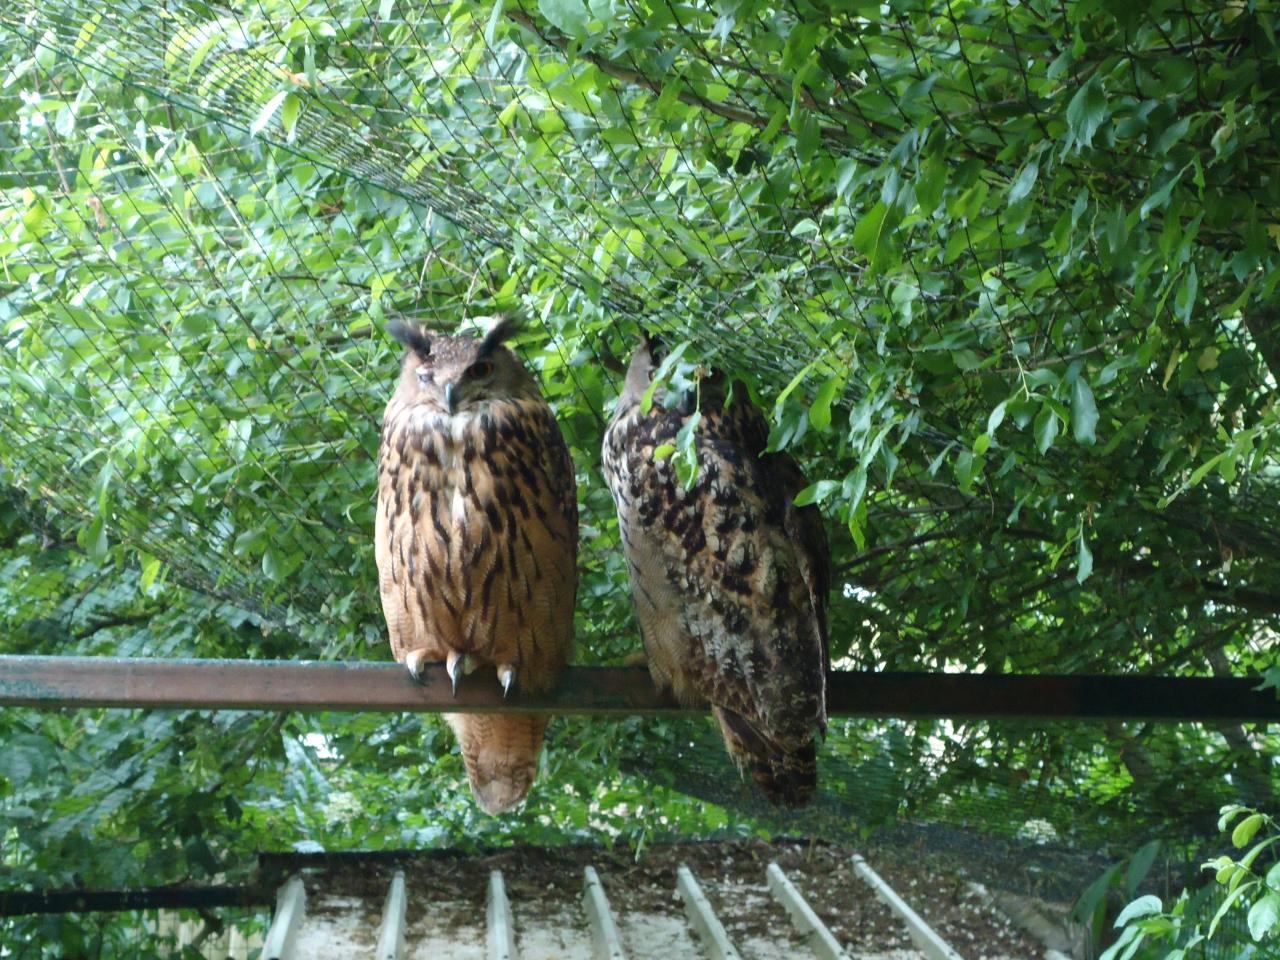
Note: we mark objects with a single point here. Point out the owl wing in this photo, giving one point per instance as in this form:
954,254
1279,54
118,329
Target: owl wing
533,492
533,496
396,547
809,536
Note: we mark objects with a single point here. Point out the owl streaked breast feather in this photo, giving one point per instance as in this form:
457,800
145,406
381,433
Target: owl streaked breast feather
476,539
729,578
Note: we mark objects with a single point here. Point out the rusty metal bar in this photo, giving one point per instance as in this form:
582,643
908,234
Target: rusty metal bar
307,685
16,902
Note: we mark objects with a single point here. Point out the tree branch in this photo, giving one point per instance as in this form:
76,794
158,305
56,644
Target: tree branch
119,620
635,77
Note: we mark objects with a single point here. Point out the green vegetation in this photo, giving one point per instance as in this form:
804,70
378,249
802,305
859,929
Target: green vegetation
1241,891
1004,276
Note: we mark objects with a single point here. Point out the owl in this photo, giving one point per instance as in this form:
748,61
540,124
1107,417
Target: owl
477,538
729,577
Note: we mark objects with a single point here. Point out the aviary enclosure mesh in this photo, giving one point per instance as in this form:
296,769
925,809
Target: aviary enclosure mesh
208,212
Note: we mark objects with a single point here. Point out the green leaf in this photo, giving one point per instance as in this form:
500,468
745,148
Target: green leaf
1246,828
1125,946
267,112
1160,196
846,168
872,236
1095,895
1273,876
855,486
1225,907
996,417
214,36
816,492
289,116
820,411
1140,865
150,570
248,541
686,461
1084,558
1084,412
1023,182
1263,915
94,539
664,450
1046,428
568,16
930,183
491,28
966,469
1142,907
271,564
1086,112
808,135
46,52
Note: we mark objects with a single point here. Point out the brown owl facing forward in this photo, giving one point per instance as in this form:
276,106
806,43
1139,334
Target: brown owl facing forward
477,538
729,577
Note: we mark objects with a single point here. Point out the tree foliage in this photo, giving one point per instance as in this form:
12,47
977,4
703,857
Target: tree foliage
1004,275
1236,915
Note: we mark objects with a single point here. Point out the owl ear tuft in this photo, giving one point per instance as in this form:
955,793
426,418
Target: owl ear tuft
499,333
411,336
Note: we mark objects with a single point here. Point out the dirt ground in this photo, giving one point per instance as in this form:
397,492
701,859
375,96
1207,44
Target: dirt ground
446,899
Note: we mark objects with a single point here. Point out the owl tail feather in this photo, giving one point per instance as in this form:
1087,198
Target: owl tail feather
501,753
787,776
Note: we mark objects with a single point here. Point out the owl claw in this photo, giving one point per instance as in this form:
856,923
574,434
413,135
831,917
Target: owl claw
414,660
454,664
506,677
458,664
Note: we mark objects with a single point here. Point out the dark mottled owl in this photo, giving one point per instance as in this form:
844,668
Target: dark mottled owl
729,577
477,538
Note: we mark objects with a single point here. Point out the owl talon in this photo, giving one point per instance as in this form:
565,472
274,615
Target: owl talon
454,664
506,677
414,660
459,664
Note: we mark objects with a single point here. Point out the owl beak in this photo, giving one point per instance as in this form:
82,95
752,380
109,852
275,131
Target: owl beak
450,399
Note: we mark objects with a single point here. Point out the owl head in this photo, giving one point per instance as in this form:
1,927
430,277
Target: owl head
451,374
648,362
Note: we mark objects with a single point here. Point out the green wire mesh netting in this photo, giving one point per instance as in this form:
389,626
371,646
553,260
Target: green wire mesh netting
208,212
241,196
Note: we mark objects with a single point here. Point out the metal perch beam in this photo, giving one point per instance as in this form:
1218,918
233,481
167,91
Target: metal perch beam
306,685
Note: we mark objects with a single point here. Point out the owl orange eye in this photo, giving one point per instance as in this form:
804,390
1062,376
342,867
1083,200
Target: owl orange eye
478,370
